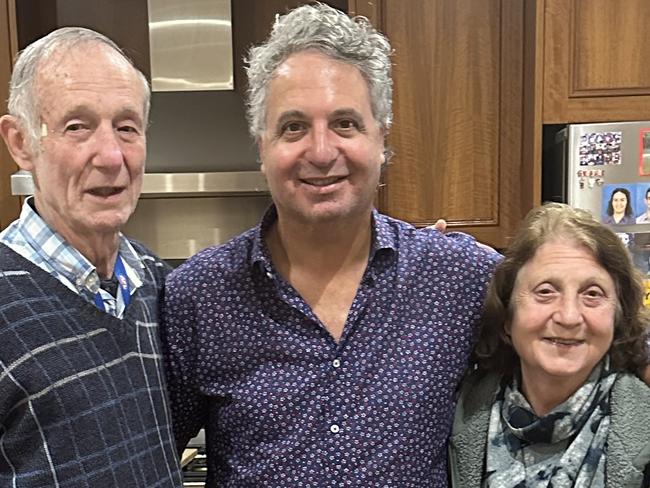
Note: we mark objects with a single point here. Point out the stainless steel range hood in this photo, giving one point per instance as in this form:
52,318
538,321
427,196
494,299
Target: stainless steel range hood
170,185
181,213
205,185
190,43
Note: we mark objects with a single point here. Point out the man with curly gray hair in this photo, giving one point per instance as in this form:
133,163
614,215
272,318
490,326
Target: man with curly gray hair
323,347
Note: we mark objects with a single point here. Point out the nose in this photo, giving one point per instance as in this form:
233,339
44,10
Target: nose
568,313
322,150
108,151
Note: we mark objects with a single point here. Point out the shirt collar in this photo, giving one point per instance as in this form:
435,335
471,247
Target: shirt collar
383,238
50,247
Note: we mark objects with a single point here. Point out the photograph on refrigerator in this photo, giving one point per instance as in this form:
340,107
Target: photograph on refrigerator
599,148
644,156
618,204
642,204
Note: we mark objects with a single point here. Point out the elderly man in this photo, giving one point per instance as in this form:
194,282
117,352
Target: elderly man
323,347
82,394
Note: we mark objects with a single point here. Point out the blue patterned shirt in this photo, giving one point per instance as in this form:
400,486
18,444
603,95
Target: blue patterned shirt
32,238
283,404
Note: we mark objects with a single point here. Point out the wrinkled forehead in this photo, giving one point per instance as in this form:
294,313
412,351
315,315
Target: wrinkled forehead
89,62
60,57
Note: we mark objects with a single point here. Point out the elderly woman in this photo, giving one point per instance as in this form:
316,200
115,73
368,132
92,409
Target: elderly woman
552,398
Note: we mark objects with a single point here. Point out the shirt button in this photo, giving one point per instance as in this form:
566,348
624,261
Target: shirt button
335,429
336,363
269,275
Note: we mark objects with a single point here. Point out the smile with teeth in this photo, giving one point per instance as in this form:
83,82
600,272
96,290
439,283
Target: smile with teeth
105,191
558,341
322,181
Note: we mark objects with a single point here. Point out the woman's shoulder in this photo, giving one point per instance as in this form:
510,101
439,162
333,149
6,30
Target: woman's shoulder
630,388
476,394
629,437
630,401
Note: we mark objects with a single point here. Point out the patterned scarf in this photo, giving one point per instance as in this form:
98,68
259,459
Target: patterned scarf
564,449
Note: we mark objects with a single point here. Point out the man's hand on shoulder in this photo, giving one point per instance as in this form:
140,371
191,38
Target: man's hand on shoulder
441,226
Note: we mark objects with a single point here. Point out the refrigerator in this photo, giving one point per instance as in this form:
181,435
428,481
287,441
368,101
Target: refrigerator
605,169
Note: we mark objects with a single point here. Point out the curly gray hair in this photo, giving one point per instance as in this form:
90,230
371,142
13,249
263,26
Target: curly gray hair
325,29
24,102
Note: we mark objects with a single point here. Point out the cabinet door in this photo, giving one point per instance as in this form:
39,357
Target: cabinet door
458,73
9,205
595,66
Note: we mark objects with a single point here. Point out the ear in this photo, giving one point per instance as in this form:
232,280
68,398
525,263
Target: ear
17,142
260,151
384,151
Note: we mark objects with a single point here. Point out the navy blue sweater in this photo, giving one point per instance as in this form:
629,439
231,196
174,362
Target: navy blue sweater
82,393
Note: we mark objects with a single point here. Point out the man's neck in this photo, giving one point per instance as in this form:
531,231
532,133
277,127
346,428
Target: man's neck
100,248
324,262
101,251
323,245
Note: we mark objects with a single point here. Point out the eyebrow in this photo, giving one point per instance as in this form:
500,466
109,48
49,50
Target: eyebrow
83,110
290,115
349,112
300,115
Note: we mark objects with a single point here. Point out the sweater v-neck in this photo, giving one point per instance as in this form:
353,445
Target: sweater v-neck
10,259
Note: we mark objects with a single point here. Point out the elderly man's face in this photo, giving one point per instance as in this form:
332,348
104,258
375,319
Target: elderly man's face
322,149
88,172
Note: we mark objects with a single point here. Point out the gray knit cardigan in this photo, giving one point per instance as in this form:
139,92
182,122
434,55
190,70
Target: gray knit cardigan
628,442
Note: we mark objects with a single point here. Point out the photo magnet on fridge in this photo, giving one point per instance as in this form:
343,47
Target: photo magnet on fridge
640,248
618,204
642,203
598,148
644,152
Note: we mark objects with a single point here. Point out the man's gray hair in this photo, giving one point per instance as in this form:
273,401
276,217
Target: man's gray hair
325,29
24,101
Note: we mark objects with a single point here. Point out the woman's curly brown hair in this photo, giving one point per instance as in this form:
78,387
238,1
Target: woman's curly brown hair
550,222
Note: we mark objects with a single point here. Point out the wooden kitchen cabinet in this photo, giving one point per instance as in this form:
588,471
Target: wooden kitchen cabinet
459,122
594,59
458,105
9,205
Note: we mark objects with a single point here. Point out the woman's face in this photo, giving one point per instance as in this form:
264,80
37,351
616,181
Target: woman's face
619,202
564,304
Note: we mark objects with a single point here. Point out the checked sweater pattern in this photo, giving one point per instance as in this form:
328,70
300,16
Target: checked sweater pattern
82,393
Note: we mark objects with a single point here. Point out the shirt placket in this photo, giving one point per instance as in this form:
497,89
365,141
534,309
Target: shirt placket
338,411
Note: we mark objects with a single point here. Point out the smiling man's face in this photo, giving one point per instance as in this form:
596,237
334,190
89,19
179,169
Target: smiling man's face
322,149
90,159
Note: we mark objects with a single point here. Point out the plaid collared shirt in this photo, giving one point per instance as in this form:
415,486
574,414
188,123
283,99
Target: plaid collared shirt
32,238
